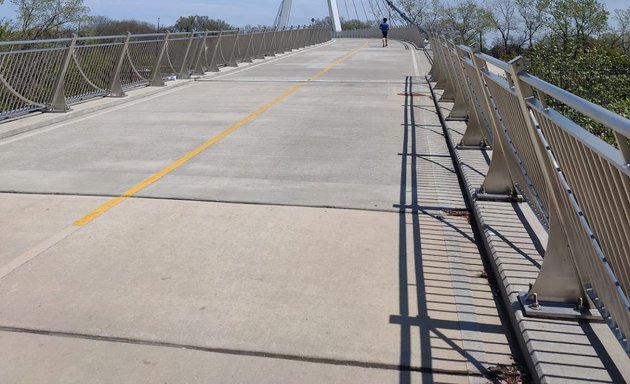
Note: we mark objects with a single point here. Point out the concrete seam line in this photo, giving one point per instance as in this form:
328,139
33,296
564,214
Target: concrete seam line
27,256
187,157
238,352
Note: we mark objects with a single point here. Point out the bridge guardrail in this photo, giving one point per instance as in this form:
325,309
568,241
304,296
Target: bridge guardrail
576,183
409,33
50,75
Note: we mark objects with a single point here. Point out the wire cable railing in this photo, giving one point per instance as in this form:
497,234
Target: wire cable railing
50,75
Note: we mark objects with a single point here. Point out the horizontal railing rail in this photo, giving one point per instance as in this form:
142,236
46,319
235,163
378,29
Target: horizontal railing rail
576,183
50,75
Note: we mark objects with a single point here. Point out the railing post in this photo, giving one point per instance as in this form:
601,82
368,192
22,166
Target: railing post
282,38
475,135
232,60
184,72
260,54
498,180
624,147
458,110
157,80
559,279
198,68
115,85
214,67
247,58
271,51
58,101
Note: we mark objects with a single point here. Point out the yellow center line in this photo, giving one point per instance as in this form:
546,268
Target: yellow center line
184,159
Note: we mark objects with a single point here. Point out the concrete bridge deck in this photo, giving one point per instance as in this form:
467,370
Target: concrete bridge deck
295,220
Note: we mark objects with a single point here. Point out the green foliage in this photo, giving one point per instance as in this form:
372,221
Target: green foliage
468,18
577,18
6,32
48,18
354,24
104,26
593,72
200,23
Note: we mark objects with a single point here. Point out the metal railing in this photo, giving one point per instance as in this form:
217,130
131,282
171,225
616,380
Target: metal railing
577,184
409,33
50,75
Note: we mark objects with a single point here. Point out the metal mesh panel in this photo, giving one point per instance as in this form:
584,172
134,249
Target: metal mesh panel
91,69
28,74
141,61
175,51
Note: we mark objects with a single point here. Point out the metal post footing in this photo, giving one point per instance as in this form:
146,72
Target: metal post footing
554,310
464,147
505,197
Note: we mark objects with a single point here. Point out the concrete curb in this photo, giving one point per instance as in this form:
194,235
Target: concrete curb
555,351
79,110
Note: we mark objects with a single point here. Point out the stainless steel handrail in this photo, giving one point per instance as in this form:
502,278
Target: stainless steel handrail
596,112
578,184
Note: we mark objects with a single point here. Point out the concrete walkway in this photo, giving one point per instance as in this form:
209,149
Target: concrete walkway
294,220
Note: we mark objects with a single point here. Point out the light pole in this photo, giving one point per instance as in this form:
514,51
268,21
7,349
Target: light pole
158,26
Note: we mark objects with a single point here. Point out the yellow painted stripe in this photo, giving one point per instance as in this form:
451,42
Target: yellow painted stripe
336,63
182,160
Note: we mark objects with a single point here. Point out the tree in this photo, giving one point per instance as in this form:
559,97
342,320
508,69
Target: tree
45,18
468,19
622,30
200,23
354,24
579,19
532,14
503,17
104,26
418,11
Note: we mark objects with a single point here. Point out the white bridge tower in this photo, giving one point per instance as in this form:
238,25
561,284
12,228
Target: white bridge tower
282,20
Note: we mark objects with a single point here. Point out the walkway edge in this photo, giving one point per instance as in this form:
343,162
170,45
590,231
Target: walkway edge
550,348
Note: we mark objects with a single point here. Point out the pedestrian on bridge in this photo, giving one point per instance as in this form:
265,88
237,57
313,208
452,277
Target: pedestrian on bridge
384,29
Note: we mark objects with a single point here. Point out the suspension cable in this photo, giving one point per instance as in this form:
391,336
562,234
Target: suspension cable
347,9
367,19
354,4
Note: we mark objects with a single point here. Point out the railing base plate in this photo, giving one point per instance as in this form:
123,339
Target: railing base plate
456,119
471,147
483,196
549,310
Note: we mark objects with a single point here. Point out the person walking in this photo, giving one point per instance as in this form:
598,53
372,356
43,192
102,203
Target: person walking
384,29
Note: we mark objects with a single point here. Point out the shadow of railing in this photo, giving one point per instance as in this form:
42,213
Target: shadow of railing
445,333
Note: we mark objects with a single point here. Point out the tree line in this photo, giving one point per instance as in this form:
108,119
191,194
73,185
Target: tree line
43,19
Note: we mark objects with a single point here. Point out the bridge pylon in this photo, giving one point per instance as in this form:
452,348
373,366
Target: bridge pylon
282,20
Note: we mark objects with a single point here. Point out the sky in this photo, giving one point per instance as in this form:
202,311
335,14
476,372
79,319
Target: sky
236,12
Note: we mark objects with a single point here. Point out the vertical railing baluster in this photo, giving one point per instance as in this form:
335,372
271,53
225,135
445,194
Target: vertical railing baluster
214,66
198,67
58,102
157,80
115,83
184,72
